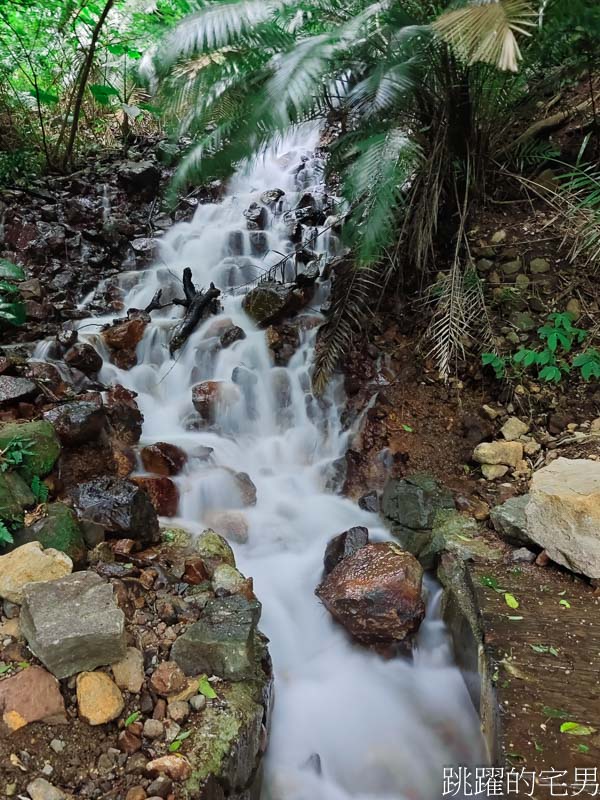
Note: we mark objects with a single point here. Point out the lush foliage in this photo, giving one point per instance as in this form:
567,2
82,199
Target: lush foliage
12,307
553,357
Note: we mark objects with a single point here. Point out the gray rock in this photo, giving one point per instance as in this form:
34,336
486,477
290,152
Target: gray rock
522,556
343,545
120,506
12,390
73,624
510,522
77,422
222,642
271,302
40,789
413,502
138,176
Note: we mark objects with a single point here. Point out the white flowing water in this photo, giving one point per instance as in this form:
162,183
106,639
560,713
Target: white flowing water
383,729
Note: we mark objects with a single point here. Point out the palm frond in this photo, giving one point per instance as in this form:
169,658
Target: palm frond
487,31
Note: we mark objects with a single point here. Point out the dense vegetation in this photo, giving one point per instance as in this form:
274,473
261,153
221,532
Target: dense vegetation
431,103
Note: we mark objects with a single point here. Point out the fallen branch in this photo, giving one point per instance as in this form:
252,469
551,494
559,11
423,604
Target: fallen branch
198,305
547,124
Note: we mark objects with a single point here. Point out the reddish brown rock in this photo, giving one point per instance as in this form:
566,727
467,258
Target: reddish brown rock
375,594
282,341
32,695
124,460
84,358
168,679
124,415
162,492
210,395
175,767
126,335
195,571
246,487
163,458
128,741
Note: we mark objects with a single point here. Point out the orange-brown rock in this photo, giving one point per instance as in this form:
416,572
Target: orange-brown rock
126,335
376,594
99,699
163,458
162,492
168,679
32,695
210,395
175,767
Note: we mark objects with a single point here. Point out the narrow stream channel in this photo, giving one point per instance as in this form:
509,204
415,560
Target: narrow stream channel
382,729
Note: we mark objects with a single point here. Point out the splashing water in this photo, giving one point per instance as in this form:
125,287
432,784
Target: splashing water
383,730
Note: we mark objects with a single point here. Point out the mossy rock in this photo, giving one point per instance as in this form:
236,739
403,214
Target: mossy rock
214,549
40,438
59,529
15,496
455,533
178,537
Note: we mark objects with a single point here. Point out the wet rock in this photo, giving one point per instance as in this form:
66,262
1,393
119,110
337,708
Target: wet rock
214,549
257,216
376,594
83,357
73,624
413,502
120,506
163,458
175,767
246,488
269,303
195,571
99,699
271,196
77,422
59,529
222,642
231,335
39,439
33,695
15,497
48,376
283,341
126,335
510,521
129,671
369,502
227,580
15,390
168,679
344,545
28,565
163,494
233,525
513,429
507,453
211,396
563,513
124,415
139,176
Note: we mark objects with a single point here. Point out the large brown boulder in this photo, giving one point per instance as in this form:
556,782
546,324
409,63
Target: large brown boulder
163,458
375,593
123,339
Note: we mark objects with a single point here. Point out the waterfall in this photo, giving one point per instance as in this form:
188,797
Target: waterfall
382,729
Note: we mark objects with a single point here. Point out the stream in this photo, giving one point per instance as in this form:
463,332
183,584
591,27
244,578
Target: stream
382,729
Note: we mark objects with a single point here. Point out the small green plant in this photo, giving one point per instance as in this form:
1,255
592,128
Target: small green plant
5,535
12,307
39,489
176,744
132,718
551,357
13,454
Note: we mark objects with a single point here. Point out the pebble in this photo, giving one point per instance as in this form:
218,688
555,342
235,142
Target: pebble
179,711
129,672
98,698
40,789
161,787
168,679
153,729
513,428
198,702
136,793
57,745
523,556
177,768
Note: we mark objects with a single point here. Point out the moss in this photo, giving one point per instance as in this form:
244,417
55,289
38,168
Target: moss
42,441
214,549
59,529
15,496
226,744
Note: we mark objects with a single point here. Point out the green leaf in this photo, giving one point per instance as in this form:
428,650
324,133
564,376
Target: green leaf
10,270
407,428
576,729
554,713
44,98
6,536
102,93
4,668
205,688
564,603
175,746
491,583
551,374
510,600
515,619
132,718
583,748
39,489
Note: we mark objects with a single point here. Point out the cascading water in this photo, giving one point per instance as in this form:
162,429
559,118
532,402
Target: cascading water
382,729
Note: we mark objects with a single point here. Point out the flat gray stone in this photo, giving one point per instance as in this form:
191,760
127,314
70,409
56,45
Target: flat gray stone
414,501
14,389
222,642
73,624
